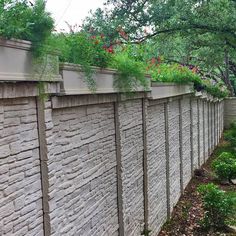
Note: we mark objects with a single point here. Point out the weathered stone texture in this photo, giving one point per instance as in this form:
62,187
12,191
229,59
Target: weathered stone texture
82,162
206,129
82,171
186,144
131,132
212,125
156,141
195,131
20,181
223,108
174,152
201,131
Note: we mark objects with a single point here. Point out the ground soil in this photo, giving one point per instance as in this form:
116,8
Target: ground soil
188,213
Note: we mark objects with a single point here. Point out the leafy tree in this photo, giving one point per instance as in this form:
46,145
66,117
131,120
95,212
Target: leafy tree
190,32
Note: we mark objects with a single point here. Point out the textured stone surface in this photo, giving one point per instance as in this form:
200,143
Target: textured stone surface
186,136
131,126
156,168
201,132
20,182
81,145
82,171
174,152
206,130
195,132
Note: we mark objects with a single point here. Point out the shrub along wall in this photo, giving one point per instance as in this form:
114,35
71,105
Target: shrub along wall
98,164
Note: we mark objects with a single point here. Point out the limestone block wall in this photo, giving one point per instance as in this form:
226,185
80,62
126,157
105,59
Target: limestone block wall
229,111
98,164
173,154
82,171
206,129
21,211
195,131
131,135
201,132
156,157
186,140
223,111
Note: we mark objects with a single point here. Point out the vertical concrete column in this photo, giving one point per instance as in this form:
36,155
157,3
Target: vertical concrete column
198,134
166,110
43,150
214,124
204,133
145,163
191,136
119,171
209,128
181,145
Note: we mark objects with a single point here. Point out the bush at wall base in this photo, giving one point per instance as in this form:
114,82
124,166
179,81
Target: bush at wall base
219,206
225,166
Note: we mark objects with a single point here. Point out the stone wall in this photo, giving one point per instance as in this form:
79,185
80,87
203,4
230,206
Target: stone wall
21,211
98,164
229,111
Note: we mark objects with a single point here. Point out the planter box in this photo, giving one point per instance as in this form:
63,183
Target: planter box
74,81
17,63
165,90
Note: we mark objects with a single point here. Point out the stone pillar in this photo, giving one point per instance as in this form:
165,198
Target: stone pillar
44,123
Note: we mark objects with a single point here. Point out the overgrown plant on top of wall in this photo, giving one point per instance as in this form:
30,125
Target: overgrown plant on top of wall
21,19
89,50
24,20
177,73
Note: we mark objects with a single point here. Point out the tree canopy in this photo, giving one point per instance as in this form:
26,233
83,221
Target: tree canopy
191,32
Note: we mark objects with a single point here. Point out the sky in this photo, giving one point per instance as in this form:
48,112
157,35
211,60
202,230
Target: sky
72,11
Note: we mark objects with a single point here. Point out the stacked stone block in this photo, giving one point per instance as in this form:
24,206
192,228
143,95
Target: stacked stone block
20,179
156,149
174,151
206,130
186,140
59,171
194,134
131,134
201,132
82,171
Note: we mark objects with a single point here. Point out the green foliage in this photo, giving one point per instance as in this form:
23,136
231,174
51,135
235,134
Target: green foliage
131,73
21,19
88,50
230,135
199,33
216,90
225,166
219,206
146,232
84,49
174,73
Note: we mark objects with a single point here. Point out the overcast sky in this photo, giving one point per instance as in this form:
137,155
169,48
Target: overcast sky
72,11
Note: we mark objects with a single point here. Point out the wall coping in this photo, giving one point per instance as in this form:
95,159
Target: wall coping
26,89
16,43
77,67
